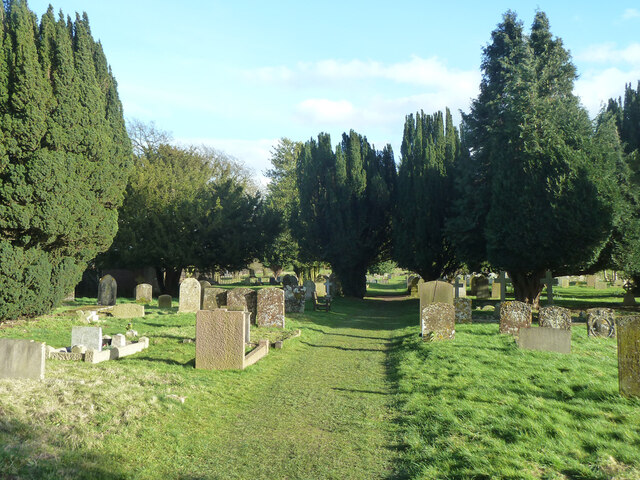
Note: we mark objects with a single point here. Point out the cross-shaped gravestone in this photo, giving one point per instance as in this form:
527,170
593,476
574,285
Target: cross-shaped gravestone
502,280
456,286
328,286
548,282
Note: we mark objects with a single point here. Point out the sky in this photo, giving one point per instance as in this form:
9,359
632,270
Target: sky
239,75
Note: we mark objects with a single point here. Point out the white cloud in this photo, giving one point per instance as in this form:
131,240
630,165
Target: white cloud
596,87
608,53
322,110
631,13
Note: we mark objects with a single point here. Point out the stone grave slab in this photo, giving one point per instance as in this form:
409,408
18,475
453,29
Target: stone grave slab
127,310
22,358
628,330
545,339
601,322
144,293
482,287
90,337
514,316
189,296
554,317
463,310
107,290
435,292
270,307
438,322
213,298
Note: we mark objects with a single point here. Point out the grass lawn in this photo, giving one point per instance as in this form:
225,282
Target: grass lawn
358,395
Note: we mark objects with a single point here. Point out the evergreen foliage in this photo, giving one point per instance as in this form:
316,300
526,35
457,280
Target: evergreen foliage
187,207
345,205
538,191
430,149
64,156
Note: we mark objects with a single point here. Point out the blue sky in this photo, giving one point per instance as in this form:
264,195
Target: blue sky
238,75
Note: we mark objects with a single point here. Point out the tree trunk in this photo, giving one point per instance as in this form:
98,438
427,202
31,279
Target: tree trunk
169,280
527,286
354,281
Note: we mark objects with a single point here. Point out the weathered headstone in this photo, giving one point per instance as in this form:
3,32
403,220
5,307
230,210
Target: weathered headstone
514,316
90,337
463,310
412,285
591,281
311,289
271,307
499,287
564,282
204,284
334,286
220,339
438,322
629,299
601,322
545,339
144,293
482,287
118,340
294,298
246,298
164,301
213,298
22,358
289,280
127,310
189,300
601,285
629,355
107,290
554,317
434,292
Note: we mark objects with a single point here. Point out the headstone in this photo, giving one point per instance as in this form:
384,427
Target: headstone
164,301
499,287
290,280
629,355
548,283
189,296
294,298
482,287
545,339
438,322
22,358
334,286
629,299
463,310
220,339
118,340
127,310
591,281
564,282
514,316
601,285
144,293
213,298
107,290
70,297
271,307
601,322
311,289
244,297
412,285
554,317
459,288
434,292
90,337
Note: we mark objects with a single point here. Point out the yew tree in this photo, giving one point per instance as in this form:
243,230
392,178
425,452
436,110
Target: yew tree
536,188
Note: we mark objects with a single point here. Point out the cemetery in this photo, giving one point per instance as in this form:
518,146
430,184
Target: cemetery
461,308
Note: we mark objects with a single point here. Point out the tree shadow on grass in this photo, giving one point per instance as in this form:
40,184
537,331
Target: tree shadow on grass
190,363
33,452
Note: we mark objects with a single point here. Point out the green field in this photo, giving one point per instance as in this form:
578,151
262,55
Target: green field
358,395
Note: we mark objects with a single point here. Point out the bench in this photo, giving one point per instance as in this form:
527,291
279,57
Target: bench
323,304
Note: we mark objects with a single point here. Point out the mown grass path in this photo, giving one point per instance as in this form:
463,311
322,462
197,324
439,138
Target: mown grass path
321,408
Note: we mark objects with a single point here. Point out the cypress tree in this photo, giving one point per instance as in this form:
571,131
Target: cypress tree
346,199
65,161
430,149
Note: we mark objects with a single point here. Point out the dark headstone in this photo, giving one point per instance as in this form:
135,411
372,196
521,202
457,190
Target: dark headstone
289,281
107,290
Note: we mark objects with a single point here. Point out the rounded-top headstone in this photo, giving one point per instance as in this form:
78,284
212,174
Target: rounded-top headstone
311,288
289,281
189,300
107,290
164,301
144,293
